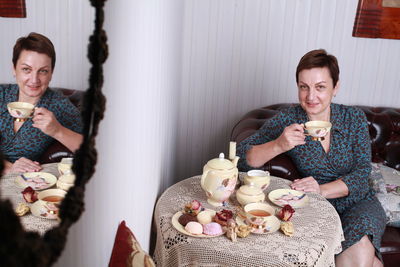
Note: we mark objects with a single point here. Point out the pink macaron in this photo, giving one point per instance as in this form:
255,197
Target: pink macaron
194,228
212,228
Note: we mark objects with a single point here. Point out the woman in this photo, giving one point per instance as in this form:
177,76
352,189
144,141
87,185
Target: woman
54,118
337,167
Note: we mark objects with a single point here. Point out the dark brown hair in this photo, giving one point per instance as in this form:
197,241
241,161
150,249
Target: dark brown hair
34,42
319,59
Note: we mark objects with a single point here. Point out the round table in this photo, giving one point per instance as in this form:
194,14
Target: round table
9,190
317,237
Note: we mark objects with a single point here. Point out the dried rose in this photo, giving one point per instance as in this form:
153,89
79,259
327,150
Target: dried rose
286,213
224,215
193,208
29,194
196,204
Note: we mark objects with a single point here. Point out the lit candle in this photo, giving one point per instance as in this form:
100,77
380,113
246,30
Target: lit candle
232,150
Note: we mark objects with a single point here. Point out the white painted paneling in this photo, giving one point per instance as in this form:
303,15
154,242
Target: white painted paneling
68,24
137,139
242,54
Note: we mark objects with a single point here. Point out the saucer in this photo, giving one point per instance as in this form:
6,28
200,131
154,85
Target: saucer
181,228
294,198
40,209
36,180
273,225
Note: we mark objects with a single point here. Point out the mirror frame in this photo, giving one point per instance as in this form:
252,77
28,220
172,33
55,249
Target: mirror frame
21,248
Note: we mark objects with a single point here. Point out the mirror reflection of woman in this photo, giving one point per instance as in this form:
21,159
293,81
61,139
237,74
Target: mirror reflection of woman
337,168
54,117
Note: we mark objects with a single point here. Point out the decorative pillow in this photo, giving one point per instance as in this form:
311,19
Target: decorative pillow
376,179
390,196
127,250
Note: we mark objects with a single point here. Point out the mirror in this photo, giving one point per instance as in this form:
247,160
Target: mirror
21,248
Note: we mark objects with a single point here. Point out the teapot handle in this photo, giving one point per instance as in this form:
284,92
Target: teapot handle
203,176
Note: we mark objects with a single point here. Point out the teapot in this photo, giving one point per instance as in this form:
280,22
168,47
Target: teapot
219,179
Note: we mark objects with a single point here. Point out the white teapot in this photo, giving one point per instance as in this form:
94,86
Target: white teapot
219,179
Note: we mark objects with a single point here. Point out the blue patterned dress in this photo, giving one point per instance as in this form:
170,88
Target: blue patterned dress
31,142
348,158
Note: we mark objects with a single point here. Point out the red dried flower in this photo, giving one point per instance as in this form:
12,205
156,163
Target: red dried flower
29,194
286,213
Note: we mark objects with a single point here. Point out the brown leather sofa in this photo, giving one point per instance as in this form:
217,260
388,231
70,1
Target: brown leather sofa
384,128
57,151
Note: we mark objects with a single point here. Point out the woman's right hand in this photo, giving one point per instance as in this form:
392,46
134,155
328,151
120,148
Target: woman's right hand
24,165
292,136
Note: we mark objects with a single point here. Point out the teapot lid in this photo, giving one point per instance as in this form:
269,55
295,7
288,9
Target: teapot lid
220,163
250,190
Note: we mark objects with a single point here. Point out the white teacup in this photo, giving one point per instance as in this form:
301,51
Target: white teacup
257,214
51,199
317,129
21,111
66,181
65,166
257,178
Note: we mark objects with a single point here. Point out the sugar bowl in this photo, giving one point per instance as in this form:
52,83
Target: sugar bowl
257,178
249,194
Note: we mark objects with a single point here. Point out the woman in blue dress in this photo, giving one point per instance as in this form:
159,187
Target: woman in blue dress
54,117
337,167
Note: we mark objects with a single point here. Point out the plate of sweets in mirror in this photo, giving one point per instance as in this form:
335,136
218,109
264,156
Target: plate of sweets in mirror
294,198
196,221
36,180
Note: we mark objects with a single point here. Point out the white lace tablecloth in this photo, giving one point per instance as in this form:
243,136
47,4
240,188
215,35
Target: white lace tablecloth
317,238
9,190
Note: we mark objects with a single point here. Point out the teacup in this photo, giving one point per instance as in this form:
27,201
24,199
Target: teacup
317,129
257,214
21,111
66,181
257,178
51,199
65,166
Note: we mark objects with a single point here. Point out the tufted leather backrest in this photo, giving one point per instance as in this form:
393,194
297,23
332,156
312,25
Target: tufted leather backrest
384,129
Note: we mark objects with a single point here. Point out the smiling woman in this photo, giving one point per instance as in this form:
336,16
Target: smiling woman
20,248
54,117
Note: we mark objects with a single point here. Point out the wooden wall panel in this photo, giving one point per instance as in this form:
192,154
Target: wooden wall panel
377,19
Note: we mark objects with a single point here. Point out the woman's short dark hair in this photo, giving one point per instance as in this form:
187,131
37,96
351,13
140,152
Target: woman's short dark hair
34,42
319,59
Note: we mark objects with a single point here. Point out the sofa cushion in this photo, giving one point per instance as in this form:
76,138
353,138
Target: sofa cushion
127,250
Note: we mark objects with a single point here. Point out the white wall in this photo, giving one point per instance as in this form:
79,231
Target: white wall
242,54
138,135
67,23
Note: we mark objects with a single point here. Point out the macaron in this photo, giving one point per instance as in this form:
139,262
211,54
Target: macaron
194,228
212,228
205,217
185,218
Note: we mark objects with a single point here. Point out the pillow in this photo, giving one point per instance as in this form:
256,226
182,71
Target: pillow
376,179
127,250
390,195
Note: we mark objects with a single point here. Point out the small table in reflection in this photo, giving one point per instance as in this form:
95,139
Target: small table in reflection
9,190
317,238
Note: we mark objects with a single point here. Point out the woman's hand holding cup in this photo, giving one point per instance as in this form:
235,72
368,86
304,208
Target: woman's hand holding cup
45,120
292,136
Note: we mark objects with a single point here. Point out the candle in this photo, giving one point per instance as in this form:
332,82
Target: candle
232,150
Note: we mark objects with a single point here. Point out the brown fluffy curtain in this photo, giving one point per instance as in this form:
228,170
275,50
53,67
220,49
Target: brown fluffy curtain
12,8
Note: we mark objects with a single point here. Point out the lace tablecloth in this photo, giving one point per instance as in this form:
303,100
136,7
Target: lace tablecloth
9,190
317,238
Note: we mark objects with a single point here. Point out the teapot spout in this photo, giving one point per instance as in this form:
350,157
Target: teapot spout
235,161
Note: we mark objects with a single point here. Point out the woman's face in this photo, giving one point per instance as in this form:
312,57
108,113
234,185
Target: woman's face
316,92
33,74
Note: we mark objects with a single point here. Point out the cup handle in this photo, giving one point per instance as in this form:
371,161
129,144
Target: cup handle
305,129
